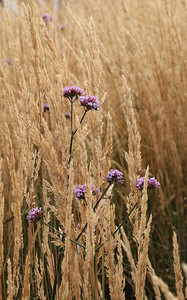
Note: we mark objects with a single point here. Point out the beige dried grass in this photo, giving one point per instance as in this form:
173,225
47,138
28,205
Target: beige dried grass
177,268
145,43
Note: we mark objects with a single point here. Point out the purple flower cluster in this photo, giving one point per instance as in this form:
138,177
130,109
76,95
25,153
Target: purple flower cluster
71,91
47,17
151,183
80,191
114,176
46,107
90,102
35,214
95,190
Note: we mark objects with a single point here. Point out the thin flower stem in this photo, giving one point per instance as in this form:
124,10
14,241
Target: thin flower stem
8,220
71,117
102,196
113,234
84,114
97,249
63,234
73,132
84,228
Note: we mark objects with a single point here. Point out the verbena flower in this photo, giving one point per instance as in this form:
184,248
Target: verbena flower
62,27
115,176
90,102
47,17
67,115
46,107
8,61
71,91
80,191
35,214
95,190
151,183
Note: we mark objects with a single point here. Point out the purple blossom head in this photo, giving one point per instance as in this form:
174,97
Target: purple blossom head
46,107
114,176
35,214
80,191
67,115
8,61
62,27
71,91
90,102
47,17
151,183
95,190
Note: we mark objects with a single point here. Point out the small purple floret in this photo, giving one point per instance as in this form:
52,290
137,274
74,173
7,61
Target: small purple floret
67,115
8,61
62,27
71,91
151,183
80,191
47,17
35,214
90,102
95,190
114,176
46,107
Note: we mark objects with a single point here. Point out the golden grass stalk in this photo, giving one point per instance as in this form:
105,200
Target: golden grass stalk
1,229
151,273
10,281
164,288
177,268
114,269
184,267
142,262
39,279
26,278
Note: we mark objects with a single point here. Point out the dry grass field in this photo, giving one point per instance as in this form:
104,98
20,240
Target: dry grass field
93,147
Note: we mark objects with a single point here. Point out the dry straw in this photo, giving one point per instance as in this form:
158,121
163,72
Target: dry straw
131,56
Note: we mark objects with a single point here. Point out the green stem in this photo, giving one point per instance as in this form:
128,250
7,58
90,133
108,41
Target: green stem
73,132
102,196
113,234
